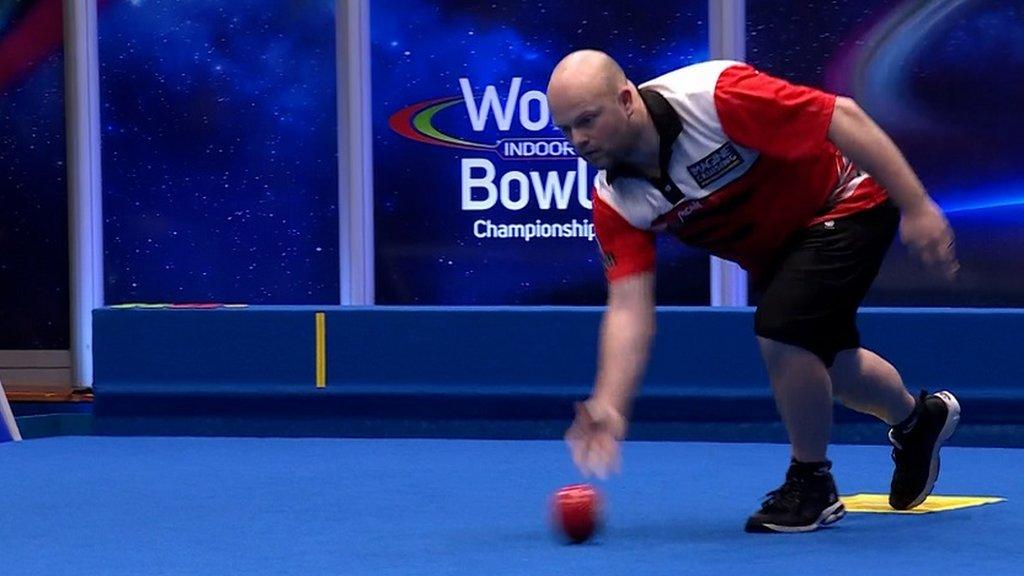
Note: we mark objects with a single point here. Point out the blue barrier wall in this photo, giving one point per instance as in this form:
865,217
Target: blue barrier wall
539,347
253,370
221,347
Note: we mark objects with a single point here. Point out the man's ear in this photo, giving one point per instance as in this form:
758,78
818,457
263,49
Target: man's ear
627,100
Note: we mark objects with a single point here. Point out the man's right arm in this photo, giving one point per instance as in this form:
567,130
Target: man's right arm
627,330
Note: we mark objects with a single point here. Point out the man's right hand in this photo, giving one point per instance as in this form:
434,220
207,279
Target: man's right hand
594,438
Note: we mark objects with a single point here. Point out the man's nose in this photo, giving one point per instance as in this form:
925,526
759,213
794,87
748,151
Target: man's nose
579,140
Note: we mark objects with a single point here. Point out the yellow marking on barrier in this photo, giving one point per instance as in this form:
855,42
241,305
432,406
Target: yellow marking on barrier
879,503
321,350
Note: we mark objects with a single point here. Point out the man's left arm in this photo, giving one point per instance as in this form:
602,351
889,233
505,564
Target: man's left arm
924,229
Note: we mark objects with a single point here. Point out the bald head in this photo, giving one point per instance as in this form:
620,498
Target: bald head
588,71
595,106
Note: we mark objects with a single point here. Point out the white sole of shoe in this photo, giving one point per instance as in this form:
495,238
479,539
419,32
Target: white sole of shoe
829,515
952,419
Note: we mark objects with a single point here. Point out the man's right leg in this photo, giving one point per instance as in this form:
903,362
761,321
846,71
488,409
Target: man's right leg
865,382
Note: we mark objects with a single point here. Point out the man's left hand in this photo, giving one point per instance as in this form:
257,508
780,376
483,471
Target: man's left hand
927,234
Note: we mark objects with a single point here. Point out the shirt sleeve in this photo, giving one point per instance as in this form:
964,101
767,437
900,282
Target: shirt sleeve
625,249
772,116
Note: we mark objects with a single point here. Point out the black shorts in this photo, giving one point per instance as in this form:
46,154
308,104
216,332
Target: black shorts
810,297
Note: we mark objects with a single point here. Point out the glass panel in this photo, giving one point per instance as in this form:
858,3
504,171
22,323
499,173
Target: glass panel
220,170
943,79
34,285
477,201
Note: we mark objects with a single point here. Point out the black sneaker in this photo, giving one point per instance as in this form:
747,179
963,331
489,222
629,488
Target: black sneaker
806,501
916,442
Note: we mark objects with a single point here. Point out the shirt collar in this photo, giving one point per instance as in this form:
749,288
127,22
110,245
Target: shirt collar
669,127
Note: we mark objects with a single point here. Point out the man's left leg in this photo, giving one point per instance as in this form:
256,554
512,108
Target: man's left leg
803,395
808,499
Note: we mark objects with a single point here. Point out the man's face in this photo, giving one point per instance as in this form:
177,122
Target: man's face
595,123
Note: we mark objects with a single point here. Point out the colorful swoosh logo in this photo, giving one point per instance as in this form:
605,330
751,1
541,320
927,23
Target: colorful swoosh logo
416,123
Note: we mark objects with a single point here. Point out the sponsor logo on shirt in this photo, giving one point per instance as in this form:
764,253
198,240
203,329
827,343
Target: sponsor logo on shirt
686,210
715,165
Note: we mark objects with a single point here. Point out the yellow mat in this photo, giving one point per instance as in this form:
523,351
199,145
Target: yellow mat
879,503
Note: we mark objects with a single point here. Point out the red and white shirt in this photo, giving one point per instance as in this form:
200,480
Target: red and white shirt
745,161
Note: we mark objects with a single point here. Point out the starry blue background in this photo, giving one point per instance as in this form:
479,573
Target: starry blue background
947,88
426,252
219,151
33,194
219,146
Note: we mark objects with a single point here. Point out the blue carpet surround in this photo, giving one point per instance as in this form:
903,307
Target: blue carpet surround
372,507
498,372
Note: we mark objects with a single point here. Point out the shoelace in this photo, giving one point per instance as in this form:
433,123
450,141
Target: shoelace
785,497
